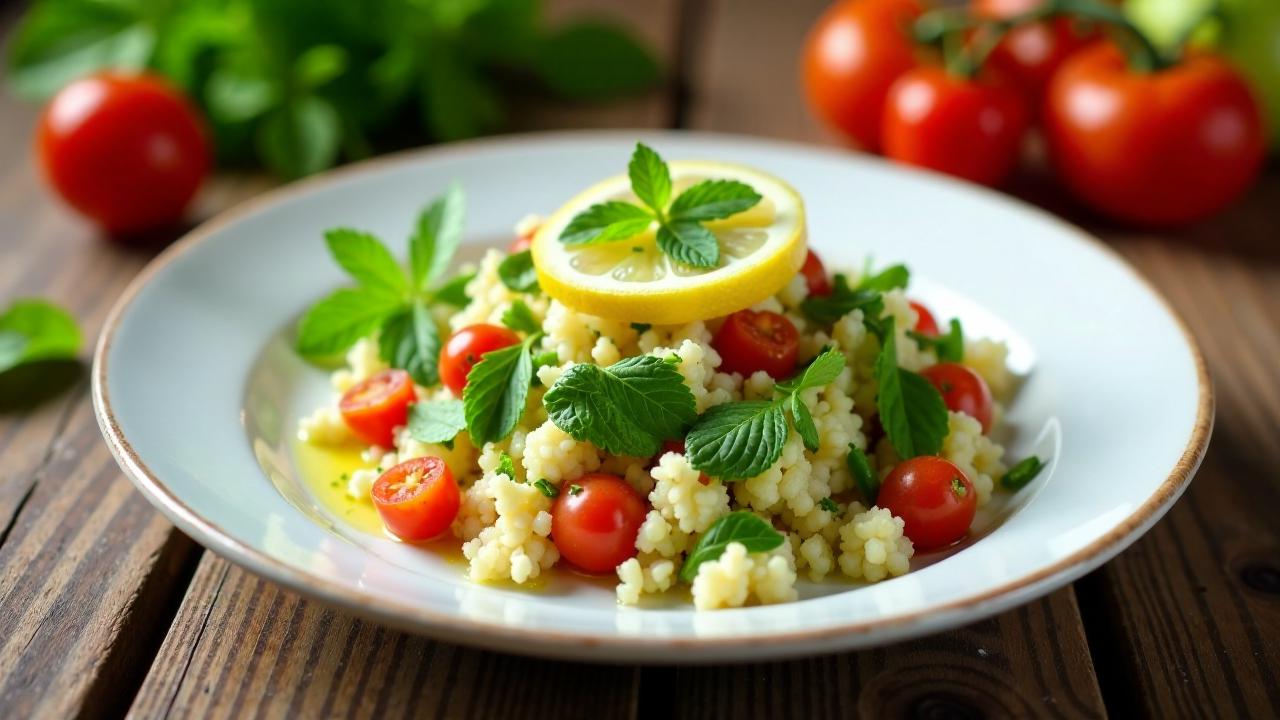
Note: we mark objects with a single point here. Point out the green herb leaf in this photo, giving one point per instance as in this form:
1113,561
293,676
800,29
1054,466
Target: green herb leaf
516,271
436,422
866,480
737,440
650,178
301,137
689,243
830,506
575,489
894,276
912,411
948,347
454,292
595,61
506,466
437,237
827,309
495,394
803,421
366,260
546,488
628,408
410,340
641,328
33,330
605,222
57,43
520,318
338,321
543,359
1022,473
713,200
741,526
824,369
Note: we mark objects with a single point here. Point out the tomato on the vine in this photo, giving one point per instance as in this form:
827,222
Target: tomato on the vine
815,275
595,520
749,341
963,390
934,498
464,348
374,408
417,499
1030,54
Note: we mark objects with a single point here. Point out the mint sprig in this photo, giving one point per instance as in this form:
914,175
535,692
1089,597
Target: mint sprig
437,422
520,318
843,299
912,411
680,232
497,386
949,347
516,271
410,340
740,526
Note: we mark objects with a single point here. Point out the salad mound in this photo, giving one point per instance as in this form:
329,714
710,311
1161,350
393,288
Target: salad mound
830,427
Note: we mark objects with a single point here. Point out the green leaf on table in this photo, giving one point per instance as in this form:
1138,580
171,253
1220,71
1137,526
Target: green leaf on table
366,260
892,277
948,347
520,318
594,61
410,340
740,526
437,422
689,243
516,271
301,137
912,412
628,408
605,222
33,330
737,440
714,200
494,397
650,178
454,291
866,480
436,238
338,321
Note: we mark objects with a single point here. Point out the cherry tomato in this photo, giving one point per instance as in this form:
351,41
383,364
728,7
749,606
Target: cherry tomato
963,390
373,409
815,275
595,528
417,499
520,244
852,55
465,348
1163,148
935,500
128,151
970,128
925,324
750,341
1030,54
677,446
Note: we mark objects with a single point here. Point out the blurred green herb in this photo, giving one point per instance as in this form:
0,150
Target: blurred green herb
34,330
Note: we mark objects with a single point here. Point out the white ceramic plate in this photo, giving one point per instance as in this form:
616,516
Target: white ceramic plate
197,393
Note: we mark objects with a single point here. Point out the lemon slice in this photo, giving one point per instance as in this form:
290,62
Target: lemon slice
761,249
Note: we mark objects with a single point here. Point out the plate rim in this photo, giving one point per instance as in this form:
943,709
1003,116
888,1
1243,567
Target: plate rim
594,645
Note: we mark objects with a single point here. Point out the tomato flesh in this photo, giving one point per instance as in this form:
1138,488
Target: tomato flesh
935,500
749,341
925,323
417,499
465,348
373,409
595,520
815,275
127,151
963,390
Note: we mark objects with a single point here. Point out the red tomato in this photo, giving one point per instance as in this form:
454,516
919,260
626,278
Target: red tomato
465,348
963,390
1157,149
925,324
126,150
417,499
1030,54
852,55
933,497
970,128
374,408
815,275
750,341
595,528
520,244
677,446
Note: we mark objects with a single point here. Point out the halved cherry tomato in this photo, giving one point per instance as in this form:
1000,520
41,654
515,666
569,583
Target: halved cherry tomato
520,244
963,390
374,408
1030,54
925,324
815,275
595,520
465,348
750,341
677,446
968,127
417,499
933,497
852,55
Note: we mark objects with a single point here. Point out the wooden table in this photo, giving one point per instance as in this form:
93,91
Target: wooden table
106,608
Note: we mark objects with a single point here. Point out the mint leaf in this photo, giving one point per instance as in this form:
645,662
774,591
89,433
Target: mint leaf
495,394
507,466
650,178
604,222
437,237
338,321
628,408
912,411
894,276
803,421
546,488
740,526
410,340
827,309
543,359
824,369
689,243
948,347
737,440
1024,472
32,330
516,271
713,200
454,292
520,318
866,480
367,260
437,422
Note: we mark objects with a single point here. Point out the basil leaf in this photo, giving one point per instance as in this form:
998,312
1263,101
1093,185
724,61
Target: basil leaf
628,408
894,276
437,237
594,61
740,526
605,222
827,309
520,318
824,369
650,178
436,422
804,423
948,347
689,243
714,200
912,411
1022,473
410,340
32,330
367,260
338,321
454,292
866,480
516,271
494,397
737,440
